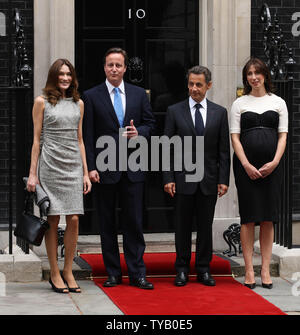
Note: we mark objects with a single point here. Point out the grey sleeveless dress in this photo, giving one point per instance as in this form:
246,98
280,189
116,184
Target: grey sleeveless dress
60,163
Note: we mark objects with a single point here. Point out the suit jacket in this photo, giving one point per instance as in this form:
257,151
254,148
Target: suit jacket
100,119
216,147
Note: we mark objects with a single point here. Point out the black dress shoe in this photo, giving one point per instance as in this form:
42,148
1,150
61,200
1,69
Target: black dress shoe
141,283
113,281
206,279
181,279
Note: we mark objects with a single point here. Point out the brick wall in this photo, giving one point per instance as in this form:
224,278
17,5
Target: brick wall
6,73
285,10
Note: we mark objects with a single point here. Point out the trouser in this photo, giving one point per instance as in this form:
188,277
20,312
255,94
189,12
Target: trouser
131,202
203,206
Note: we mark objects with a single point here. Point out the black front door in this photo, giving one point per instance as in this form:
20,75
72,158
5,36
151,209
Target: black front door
161,38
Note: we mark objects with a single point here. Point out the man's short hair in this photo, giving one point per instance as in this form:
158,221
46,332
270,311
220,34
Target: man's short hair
116,50
199,69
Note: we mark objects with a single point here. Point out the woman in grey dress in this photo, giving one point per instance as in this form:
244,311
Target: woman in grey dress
58,163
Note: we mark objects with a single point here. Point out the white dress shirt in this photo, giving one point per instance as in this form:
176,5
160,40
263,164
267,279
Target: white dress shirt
111,92
202,110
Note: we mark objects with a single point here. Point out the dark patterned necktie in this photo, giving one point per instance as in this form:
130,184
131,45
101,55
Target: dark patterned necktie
199,125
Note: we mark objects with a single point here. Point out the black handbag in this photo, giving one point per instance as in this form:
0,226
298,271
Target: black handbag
31,228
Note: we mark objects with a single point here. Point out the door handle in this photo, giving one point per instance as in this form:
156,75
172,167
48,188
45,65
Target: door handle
148,92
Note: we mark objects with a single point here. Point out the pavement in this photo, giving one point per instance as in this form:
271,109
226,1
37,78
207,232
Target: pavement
37,298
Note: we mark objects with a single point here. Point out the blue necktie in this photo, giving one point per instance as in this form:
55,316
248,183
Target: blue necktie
118,106
199,125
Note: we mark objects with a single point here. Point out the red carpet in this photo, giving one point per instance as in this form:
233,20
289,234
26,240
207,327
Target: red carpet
157,264
228,297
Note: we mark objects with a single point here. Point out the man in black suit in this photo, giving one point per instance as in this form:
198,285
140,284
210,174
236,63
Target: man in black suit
197,116
110,106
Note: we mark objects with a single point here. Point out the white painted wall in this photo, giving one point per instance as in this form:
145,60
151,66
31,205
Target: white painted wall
54,37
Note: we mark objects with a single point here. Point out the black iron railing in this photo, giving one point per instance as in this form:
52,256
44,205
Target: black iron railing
18,133
283,229
17,94
279,59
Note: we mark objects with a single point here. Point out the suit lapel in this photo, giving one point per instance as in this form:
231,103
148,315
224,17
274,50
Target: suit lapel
186,113
209,116
129,100
106,100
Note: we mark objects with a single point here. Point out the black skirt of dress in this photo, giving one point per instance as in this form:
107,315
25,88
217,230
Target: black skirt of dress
259,200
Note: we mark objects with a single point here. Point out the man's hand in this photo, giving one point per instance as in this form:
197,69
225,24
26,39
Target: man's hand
170,188
94,176
222,189
131,131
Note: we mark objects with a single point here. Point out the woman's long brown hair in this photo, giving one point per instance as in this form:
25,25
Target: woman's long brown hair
52,91
260,67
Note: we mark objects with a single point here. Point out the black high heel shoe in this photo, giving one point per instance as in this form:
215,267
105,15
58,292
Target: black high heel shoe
265,285
57,289
269,286
251,285
71,289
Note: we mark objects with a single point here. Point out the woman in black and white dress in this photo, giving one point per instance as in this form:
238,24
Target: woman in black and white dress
258,127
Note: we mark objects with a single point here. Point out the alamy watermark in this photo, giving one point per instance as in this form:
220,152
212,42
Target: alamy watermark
166,154
296,285
2,285
296,25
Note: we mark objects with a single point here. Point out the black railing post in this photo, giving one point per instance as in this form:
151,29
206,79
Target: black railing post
283,229
10,174
290,164
17,159
10,153
21,154
282,71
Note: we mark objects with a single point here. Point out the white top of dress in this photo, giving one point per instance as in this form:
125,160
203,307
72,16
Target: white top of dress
259,105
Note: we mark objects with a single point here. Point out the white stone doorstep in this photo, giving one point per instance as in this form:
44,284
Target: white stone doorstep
288,259
20,267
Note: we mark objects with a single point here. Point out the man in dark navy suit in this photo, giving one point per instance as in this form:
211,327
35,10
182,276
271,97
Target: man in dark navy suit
110,106
197,116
